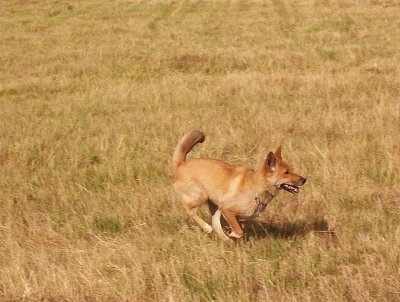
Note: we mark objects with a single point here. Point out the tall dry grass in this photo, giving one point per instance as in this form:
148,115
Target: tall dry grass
94,96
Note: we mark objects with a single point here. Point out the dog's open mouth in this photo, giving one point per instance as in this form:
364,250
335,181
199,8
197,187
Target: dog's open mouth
290,188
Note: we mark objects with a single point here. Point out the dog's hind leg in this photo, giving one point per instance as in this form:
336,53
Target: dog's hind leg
192,212
193,198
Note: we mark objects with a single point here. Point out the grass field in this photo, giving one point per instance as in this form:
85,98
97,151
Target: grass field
94,96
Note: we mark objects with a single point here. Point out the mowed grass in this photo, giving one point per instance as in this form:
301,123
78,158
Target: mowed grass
94,96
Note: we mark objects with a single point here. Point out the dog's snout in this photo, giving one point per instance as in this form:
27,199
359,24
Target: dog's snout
302,181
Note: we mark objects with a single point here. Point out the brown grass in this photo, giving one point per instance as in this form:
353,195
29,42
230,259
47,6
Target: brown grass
95,95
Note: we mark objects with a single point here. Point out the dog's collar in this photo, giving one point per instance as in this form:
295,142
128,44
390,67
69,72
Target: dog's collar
262,200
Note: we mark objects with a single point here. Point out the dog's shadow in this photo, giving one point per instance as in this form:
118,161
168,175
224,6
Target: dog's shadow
287,229
283,229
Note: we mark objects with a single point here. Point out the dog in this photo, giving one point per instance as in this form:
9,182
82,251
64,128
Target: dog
237,191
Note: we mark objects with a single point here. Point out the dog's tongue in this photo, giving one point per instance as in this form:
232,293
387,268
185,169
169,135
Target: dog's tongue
290,188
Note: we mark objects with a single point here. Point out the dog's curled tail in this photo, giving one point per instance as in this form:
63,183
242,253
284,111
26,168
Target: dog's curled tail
184,146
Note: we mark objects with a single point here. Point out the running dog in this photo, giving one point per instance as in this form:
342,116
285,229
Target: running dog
237,191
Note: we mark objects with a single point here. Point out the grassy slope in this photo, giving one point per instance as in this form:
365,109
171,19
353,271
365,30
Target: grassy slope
94,96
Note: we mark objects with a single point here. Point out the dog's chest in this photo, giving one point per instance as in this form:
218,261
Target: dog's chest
251,206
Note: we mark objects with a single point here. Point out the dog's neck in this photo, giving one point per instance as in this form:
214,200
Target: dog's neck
265,196
273,190
261,200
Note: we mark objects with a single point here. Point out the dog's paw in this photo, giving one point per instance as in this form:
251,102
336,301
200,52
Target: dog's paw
234,235
207,228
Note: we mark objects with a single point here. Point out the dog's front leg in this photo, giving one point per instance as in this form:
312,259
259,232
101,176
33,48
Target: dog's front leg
230,217
216,225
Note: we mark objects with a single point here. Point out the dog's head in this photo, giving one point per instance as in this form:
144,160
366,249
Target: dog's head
281,174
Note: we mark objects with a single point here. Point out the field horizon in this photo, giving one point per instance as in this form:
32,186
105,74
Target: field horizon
95,95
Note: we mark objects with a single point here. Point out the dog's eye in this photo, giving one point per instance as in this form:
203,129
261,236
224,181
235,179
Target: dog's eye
287,173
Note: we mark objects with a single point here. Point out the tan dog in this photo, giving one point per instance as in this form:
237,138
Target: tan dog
237,191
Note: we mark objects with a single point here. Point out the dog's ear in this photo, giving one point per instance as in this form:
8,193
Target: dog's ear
278,152
270,162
